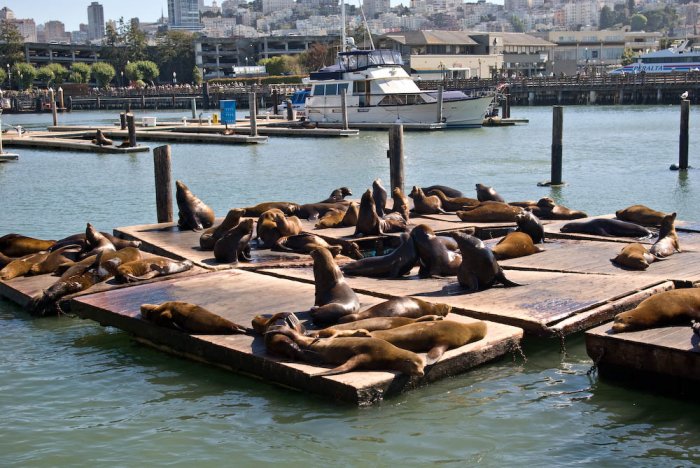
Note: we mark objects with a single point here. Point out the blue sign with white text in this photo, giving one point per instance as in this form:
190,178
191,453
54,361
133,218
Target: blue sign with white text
228,112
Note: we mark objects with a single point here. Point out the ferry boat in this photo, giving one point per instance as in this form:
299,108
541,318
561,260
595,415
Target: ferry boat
678,58
378,90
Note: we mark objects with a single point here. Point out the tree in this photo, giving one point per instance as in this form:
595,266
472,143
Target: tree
607,18
24,74
59,72
132,72
80,72
638,22
517,23
197,75
103,73
11,44
149,70
175,53
317,56
273,65
45,74
627,57
3,76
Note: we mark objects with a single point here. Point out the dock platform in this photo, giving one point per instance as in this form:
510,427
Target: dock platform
68,144
4,157
235,294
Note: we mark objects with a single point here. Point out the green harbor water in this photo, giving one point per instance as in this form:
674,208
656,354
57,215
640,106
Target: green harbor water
73,393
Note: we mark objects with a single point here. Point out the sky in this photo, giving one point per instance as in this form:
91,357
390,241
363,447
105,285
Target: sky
74,12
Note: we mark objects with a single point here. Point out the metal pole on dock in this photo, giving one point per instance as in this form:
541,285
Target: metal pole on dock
131,125
344,108
290,110
122,121
557,134
164,197
439,104
683,144
193,105
253,115
54,113
395,155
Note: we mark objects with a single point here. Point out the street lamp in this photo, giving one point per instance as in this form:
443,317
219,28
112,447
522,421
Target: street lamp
9,76
122,79
174,78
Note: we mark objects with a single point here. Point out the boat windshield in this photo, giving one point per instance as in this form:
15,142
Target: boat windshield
361,59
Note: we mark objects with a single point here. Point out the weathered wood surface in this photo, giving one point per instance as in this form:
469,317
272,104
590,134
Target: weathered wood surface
544,300
667,357
236,295
68,144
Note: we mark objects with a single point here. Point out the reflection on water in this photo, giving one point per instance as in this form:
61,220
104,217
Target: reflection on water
73,392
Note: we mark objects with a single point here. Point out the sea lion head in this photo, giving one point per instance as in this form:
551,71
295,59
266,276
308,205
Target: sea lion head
546,202
415,191
413,365
148,311
467,242
628,321
326,272
667,225
442,309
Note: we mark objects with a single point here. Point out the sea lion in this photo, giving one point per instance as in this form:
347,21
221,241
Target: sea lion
513,245
17,245
449,191
452,203
547,209
530,225
209,237
695,325
80,240
193,213
357,327
400,204
435,258
234,244
356,353
606,227
334,298
425,204
189,318
380,197
304,243
640,214
279,343
4,259
332,218
101,140
634,256
288,208
21,266
56,260
664,308
147,268
337,195
273,224
479,269
370,224
667,243
486,193
399,307
433,337
95,242
395,264
489,212
313,211
110,261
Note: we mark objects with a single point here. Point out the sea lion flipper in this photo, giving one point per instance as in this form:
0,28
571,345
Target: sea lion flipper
435,354
470,282
501,277
349,365
429,318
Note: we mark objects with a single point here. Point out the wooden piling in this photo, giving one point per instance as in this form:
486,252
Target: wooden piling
54,112
97,102
164,198
290,110
275,102
193,105
557,132
683,144
395,155
439,105
122,121
344,109
70,103
131,126
60,98
253,115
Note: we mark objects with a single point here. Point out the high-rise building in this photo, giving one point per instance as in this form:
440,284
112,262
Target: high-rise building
96,21
184,14
6,14
374,7
55,31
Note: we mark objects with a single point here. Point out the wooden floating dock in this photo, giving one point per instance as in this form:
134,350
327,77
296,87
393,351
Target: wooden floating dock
4,157
666,358
29,141
236,295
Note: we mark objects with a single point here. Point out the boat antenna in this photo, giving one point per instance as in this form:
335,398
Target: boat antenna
369,33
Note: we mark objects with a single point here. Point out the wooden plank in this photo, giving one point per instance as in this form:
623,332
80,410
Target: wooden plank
545,299
69,145
236,295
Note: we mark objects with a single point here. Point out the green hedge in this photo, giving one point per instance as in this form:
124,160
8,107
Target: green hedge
286,79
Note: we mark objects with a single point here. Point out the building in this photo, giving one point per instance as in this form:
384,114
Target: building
27,28
6,14
184,15
373,8
96,22
55,31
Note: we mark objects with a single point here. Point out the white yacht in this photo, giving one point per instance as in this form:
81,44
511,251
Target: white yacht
379,91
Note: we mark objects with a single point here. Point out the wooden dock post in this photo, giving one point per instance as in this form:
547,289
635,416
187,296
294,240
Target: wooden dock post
193,105
164,197
290,110
122,121
439,105
70,103
275,102
395,155
557,133
131,125
60,98
253,115
54,112
97,102
683,142
344,109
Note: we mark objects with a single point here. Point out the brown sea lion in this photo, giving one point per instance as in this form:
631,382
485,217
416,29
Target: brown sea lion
272,225
640,214
288,208
664,308
279,343
399,307
313,211
337,195
634,256
606,227
667,244
370,224
80,240
486,193
452,203
4,259
101,140
489,212
449,191
193,213
304,243
380,196
425,204
147,268
334,298
433,337
356,353
357,327
209,237
530,225
435,258
57,259
22,265
479,269
17,245
96,242
547,209
395,264
46,302
400,204
189,318
234,244
110,261
514,245
332,218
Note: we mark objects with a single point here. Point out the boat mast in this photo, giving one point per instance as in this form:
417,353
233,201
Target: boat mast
342,26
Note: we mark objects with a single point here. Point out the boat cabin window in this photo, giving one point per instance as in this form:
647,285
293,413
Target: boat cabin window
330,89
320,90
358,87
362,61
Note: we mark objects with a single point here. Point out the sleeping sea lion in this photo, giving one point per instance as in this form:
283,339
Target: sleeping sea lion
449,191
380,197
513,245
530,225
634,256
664,308
547,209
368,325
189,318
667,244
147,268
57,259
193,213
435,258
400,307
452,203
640,214
313,211
4,259
479,269
279,343
489,212
288,208
17,245
304,243
209,237
234,244
395,264
486,193
606,227
425,204
80,240
334,298
337,195
21,266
